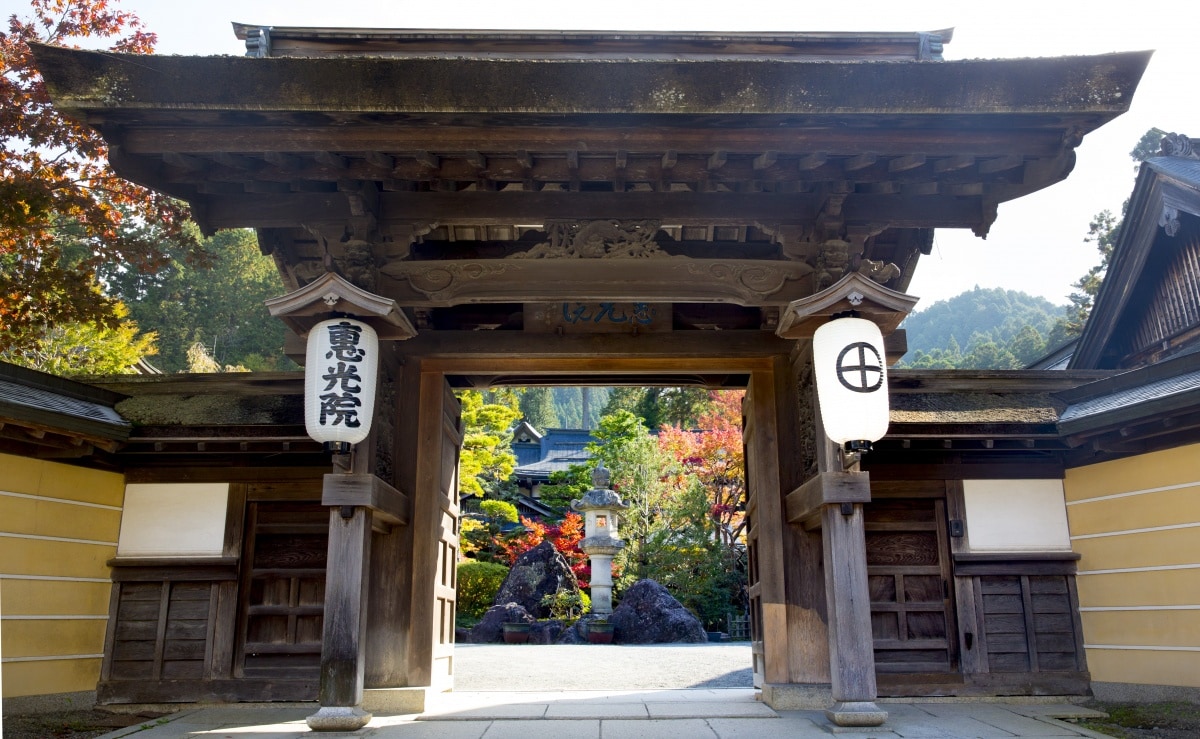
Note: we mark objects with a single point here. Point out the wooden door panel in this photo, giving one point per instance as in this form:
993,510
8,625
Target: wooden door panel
283,589
908,579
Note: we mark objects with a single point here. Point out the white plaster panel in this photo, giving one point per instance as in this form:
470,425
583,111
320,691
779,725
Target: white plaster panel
1016,516
173,520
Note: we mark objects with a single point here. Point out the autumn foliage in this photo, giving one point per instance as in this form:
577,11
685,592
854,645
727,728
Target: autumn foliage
63,211
565,536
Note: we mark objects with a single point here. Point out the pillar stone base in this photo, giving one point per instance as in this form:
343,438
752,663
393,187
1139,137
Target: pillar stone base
796,696
856,714
338,718
394,701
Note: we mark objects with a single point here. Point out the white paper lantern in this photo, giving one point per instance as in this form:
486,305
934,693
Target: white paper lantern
851,374
341,365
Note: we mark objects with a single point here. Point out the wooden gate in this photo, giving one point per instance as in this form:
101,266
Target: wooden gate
435,522
282,590
908,572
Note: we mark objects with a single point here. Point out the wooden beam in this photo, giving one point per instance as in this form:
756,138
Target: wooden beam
804,504
860,161
764,160
384,501
905,163
200,139
242,210
1000,164
331,160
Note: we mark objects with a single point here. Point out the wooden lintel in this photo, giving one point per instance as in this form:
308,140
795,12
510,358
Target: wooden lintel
386,502
242,210
827,488
886,141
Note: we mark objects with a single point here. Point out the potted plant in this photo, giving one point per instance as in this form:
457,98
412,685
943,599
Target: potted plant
600,632
516,632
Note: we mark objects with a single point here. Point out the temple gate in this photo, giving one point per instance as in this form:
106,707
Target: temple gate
516,208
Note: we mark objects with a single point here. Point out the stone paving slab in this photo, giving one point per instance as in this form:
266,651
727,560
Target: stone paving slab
548,729
627,716
691,728
998,716
789,725
705,709
605,710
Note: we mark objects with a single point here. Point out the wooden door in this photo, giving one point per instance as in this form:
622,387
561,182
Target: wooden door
282,590
908,571
447,547
753,545
435,536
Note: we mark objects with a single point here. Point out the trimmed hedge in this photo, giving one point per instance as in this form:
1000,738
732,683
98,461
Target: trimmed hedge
478,583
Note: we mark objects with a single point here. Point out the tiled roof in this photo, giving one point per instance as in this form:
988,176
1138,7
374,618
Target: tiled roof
556,461
1132,396
1178,167
39,399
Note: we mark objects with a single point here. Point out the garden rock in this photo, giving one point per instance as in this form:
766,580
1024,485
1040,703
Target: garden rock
545,632
490,628
648,614
539,572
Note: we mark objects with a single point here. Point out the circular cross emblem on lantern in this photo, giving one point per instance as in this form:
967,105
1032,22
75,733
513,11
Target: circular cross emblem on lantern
860,368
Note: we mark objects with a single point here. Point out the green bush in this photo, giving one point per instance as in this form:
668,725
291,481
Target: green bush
499,510
567,605
478,583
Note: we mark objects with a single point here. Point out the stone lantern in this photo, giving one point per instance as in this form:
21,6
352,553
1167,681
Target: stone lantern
601,509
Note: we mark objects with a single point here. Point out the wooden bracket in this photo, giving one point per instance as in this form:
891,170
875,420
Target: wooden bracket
804,504
387,504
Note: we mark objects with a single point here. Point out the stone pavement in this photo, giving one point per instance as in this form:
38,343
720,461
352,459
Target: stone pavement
622,714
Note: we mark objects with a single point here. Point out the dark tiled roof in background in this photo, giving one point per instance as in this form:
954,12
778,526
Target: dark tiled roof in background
1178,167
39,399
1121,399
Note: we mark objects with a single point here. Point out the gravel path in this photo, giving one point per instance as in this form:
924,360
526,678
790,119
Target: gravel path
601,667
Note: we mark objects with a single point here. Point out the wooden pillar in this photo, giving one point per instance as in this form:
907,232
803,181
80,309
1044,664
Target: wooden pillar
343,643
848,599
851,648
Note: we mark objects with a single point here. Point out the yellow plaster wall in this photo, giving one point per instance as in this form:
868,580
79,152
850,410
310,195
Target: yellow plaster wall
58,527
1136,524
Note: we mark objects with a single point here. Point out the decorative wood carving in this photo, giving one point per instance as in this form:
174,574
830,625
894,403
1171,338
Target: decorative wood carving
611,239
384,427
1169,220
747,282
806,443
599,317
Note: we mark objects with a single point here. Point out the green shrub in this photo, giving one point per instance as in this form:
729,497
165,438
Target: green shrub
567,605
478,583
499,510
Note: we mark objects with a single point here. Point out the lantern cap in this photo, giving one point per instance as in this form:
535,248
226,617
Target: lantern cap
856,292
599,497
331,294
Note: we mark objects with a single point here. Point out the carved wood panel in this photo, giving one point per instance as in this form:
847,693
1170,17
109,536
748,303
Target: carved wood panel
283,589
908,573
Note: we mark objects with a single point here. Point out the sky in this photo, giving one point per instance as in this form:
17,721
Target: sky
1036,244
